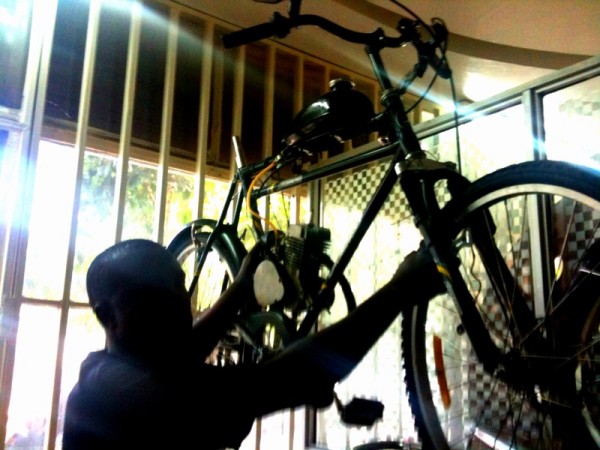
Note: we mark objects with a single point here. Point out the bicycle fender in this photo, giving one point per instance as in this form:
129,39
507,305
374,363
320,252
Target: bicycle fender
227,240
186,231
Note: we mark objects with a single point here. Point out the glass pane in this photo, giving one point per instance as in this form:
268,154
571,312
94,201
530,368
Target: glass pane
14,45
441,146
283,103
572,123
95,225
280,210
221,102
147,114
393,235
140,200
7,166
315,83
31,394
66,64
491,142
250,442
50,222
180,195
275,431
486,143
9,185
109,70
285,430
84,335
186,104
369,90
298,428
215,193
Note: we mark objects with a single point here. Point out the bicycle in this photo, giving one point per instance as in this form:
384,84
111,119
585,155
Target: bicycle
512,362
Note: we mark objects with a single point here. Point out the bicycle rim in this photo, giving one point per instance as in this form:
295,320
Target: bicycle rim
216,274
546,396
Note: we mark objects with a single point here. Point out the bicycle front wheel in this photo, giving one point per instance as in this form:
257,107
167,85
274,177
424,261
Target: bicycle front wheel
541,312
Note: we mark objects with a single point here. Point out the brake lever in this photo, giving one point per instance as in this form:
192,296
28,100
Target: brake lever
426,50
427,53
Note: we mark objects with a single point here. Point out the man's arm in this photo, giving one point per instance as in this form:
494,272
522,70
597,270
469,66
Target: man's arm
210,327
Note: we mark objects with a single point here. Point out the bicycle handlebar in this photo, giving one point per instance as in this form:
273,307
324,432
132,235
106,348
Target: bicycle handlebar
257,32
280,26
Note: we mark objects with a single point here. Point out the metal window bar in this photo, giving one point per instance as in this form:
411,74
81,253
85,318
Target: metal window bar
268,110
13,267
80,148
33,110
203,119
127,119
166,128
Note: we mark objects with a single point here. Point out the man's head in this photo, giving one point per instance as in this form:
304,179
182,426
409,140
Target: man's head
137,291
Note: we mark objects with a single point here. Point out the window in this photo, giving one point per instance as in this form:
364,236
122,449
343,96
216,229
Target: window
77,173
14,46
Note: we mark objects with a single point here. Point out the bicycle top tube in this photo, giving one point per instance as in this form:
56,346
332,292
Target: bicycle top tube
360,155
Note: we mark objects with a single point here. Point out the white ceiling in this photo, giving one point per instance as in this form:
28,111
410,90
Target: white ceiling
494,45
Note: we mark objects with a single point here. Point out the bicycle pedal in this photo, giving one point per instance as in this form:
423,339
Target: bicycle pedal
362,412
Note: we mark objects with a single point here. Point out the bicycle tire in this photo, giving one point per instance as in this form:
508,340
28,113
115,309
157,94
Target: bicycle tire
553,402
220,268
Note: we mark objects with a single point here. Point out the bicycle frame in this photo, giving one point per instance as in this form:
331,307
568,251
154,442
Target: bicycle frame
486,327
410,168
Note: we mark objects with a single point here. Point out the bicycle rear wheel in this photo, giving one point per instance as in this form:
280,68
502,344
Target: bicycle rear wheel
257,333
222,263
545,396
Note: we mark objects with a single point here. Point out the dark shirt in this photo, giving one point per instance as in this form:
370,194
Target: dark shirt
117,404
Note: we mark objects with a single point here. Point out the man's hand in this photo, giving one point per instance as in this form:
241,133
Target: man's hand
250,263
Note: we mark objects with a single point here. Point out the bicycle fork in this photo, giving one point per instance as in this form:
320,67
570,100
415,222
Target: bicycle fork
441,241
417,180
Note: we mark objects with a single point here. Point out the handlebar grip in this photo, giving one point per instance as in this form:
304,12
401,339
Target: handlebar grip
247,35
278,26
